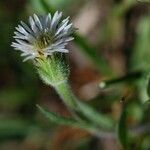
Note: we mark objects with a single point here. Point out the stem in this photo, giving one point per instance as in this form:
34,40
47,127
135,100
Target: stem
66,95
84,111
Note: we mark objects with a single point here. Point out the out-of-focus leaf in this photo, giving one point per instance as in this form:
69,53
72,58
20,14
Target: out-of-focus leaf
91,114
112,30
129,77
142,88
47,7
36,6
145,145
12,98
122,128
57,4
15,128
145,1
91,52
67,121
141,54
40,5
136,112
148,88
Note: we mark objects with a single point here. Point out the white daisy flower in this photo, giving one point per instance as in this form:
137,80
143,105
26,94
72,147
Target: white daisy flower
43,36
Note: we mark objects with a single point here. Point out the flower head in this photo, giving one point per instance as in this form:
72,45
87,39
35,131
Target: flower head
43,36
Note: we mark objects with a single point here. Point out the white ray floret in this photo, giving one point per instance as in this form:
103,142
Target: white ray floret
43,36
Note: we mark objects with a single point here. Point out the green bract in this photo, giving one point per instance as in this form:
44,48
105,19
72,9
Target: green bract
53,70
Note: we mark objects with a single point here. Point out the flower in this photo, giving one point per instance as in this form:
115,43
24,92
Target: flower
43,36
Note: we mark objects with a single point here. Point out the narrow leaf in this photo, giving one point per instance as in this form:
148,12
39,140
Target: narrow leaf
68,121
128,77
148,88
122,128
56,118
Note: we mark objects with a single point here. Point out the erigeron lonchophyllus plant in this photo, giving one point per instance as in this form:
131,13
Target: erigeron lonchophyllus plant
44,42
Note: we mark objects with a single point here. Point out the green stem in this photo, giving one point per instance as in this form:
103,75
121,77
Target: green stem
66,95
82,109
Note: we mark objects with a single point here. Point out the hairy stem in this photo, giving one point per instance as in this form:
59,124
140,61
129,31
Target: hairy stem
64,91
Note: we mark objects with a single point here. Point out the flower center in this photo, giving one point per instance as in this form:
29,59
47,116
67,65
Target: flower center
43,40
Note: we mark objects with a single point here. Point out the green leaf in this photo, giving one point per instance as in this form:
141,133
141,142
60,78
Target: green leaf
36,6
143,87
148,88
122,128
15,128
141,53
94,116
47,7
145,142
58,4
145,1
128,77
53,117
56,118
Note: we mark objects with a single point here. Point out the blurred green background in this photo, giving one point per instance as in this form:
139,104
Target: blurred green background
112,44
